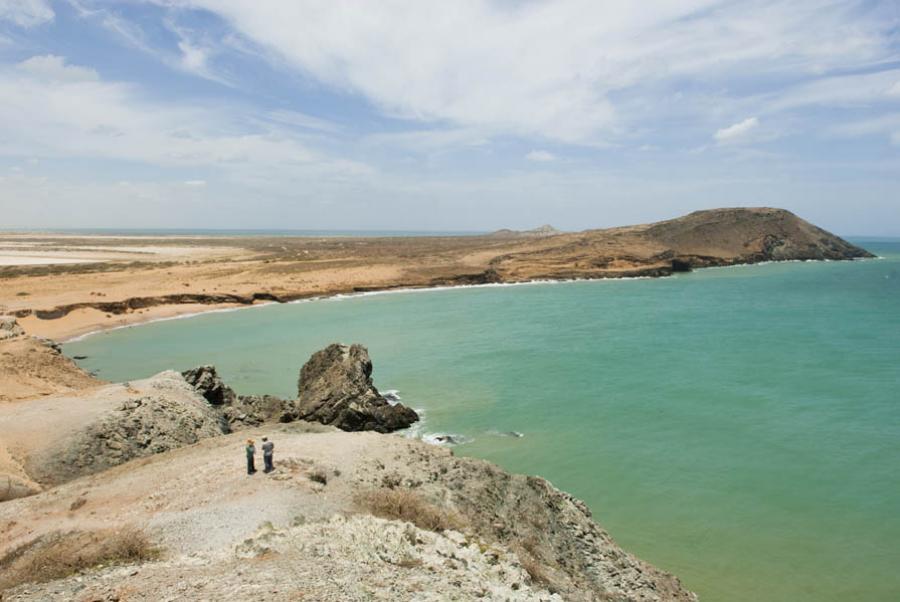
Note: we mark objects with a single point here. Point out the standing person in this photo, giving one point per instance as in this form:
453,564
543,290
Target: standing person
251,453
268,450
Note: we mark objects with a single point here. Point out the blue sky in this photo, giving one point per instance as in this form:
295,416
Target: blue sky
463,115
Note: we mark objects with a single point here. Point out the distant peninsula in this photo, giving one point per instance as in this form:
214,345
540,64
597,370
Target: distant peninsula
75,284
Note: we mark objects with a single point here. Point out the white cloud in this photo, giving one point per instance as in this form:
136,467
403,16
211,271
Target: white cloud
193,58
195,183
894,90
51,109
739,132
577,71
428,141
541,156
844,91
302,120
54,68
26,13
881,125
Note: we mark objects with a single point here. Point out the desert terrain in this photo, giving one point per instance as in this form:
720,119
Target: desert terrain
139,491
78,284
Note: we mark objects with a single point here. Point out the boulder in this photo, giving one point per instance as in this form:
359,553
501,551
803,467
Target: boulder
9,328
207,382
335,388
254,410
237,411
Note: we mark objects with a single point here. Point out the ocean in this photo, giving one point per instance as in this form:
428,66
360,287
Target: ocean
739,427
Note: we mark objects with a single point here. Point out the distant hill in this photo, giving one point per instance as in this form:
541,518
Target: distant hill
714,237
545,230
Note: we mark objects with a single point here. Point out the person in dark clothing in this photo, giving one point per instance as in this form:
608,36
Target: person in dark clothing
251,453
268,449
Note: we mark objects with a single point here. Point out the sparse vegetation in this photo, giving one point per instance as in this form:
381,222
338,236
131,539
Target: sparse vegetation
536,571
410,506
318,475
59,555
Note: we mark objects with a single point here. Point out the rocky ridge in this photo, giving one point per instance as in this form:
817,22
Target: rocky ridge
335,388
305,529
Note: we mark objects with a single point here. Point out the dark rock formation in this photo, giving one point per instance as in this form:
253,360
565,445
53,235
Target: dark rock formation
336,388
238,411
207,382
254,410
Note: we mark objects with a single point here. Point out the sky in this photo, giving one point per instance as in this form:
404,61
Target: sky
450,115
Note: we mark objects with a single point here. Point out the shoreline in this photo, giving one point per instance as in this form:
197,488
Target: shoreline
332,297
190,311
197,276
228,308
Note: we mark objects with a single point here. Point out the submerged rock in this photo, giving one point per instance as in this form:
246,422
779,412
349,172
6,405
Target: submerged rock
335,388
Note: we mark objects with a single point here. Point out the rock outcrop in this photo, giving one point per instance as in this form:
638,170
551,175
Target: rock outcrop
206,380
229,536
335,388
9,328
34,366
238,411
58,438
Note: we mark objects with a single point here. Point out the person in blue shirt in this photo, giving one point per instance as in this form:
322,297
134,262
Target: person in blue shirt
268,450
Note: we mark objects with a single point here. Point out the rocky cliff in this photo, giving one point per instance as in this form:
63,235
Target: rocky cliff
345,516
335,388
58,438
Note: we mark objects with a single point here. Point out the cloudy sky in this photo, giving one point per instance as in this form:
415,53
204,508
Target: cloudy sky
462,115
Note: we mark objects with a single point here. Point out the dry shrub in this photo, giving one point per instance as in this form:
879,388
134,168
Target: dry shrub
318,475
535,570
59,555
410,506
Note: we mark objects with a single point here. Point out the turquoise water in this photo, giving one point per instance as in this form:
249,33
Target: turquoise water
739,427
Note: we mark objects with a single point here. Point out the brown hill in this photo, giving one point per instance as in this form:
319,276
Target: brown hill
715,237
